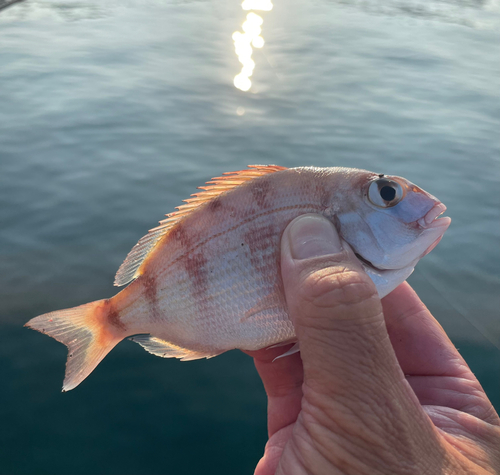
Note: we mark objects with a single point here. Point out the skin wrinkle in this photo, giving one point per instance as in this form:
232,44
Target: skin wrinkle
480,458
347,417
319,290
340,458
468,394
400,429
366,365
460,422
276,443
447,424
494,434
348,458
468,449
491,417
461,457
465,373
336,284
308,441
407,392
314,295
315,413
316,373
411,312
438,416
292,447
356,335
323,323
273,452
293,467
451,383
368,360
330,266
425,415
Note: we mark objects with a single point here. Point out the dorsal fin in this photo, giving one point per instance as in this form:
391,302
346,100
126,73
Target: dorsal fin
131,267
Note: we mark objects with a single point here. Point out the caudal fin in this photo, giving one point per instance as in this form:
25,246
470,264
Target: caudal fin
84,331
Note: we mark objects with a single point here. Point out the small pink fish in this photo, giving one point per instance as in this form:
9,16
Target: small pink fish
208,279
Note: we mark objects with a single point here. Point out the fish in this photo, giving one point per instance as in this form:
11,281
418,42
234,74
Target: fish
208,279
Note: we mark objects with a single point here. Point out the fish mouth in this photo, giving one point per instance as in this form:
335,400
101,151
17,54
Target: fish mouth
432,219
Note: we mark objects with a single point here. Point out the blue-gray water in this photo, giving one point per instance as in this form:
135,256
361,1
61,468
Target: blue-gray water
113,112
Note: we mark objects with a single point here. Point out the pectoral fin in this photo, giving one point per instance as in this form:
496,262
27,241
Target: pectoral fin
265,306
294,349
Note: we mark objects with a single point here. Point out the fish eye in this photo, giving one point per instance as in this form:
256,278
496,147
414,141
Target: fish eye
385,193
388,193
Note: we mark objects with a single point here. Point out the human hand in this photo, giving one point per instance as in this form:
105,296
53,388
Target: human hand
367,396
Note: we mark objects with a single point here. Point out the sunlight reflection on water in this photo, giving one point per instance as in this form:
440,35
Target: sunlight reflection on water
243,42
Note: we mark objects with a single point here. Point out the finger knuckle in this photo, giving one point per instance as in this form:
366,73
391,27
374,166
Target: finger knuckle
336,286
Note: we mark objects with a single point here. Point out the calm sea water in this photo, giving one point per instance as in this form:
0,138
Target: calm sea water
113,112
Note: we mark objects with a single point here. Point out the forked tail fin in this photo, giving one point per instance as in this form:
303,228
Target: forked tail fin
84,330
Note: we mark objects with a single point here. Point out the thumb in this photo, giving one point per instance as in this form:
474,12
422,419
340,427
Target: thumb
337,315
358,410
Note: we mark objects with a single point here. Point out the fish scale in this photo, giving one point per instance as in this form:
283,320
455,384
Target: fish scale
208,279
216,310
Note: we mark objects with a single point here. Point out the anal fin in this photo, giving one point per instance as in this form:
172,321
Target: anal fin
159,347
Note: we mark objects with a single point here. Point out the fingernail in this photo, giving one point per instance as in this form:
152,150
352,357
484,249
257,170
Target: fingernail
313,236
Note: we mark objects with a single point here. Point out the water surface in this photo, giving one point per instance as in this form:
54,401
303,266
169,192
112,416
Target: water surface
113,112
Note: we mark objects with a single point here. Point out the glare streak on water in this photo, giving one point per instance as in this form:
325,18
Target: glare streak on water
249,39
113,112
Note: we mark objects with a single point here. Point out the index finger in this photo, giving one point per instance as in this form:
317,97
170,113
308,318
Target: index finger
282,381
420,343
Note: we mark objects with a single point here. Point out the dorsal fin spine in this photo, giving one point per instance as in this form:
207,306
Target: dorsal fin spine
131,267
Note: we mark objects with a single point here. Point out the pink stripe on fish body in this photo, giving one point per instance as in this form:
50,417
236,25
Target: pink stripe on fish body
216,274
